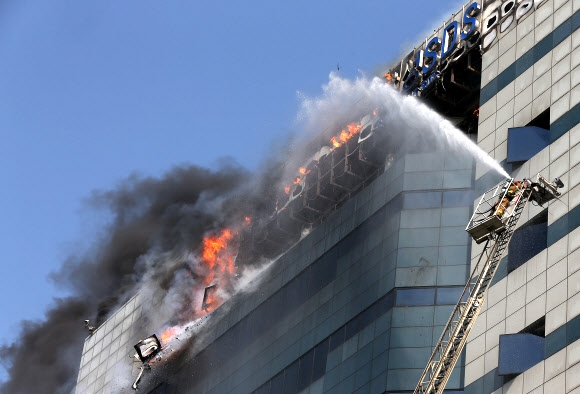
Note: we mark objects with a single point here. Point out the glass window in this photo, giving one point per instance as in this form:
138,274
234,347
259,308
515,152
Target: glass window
297,290
528,241
320,355
291,378
305,371
242,336
385,304
519,352
336,339
260,320
362,320
449,295
275,312
525,142
416,296
458,198
264,389
323,272
422,200
277,383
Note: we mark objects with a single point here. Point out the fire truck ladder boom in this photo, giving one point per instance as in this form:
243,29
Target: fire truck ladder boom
493,222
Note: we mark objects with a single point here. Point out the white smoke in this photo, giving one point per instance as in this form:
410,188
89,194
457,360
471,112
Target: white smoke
344,100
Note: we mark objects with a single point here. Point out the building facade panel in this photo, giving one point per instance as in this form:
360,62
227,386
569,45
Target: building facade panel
345,307
358,304
543,287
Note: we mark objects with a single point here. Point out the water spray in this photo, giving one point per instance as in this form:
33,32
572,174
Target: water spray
344,99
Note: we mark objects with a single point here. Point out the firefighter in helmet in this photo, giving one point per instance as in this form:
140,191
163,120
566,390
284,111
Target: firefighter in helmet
502,204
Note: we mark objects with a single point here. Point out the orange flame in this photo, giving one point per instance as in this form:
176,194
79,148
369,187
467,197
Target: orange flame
218,252
388,77
302,171
345,134
216,256
211,303
168,335
375,112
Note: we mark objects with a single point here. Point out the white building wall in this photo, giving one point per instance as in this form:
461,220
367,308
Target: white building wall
107,352
549,283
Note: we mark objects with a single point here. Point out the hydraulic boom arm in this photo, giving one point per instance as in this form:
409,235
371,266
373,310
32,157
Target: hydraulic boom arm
493,222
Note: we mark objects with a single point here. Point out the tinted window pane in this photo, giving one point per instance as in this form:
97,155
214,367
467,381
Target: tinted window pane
223,351
414,297
264,389
291,378
320,355
422,200
458,198
449,295
525,142
385,304
519,352
275,312
528,241
362,320
305,374
261,319
297,290
336,339
323,272
277,383
243,332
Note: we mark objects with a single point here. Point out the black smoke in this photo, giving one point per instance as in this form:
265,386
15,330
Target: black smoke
153,218
168,214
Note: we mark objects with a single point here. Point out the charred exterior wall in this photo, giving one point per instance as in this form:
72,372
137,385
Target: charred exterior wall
356,304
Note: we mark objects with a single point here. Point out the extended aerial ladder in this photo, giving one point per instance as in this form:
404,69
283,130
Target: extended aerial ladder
493,222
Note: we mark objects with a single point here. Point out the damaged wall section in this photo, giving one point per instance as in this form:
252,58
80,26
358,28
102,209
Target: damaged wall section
405,230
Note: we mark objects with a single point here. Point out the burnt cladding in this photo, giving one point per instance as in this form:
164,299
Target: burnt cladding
335,171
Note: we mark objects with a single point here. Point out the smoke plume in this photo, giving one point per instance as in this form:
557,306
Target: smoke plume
153,220
152,242
343,100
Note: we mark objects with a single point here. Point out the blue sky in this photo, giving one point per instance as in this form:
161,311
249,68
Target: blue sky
91,92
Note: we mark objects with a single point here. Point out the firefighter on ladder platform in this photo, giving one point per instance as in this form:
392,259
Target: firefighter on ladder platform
502,204
494,221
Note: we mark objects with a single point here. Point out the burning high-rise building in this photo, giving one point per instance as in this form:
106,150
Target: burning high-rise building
362,254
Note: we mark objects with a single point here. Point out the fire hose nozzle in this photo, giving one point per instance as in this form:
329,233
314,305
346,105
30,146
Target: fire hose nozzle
558,183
